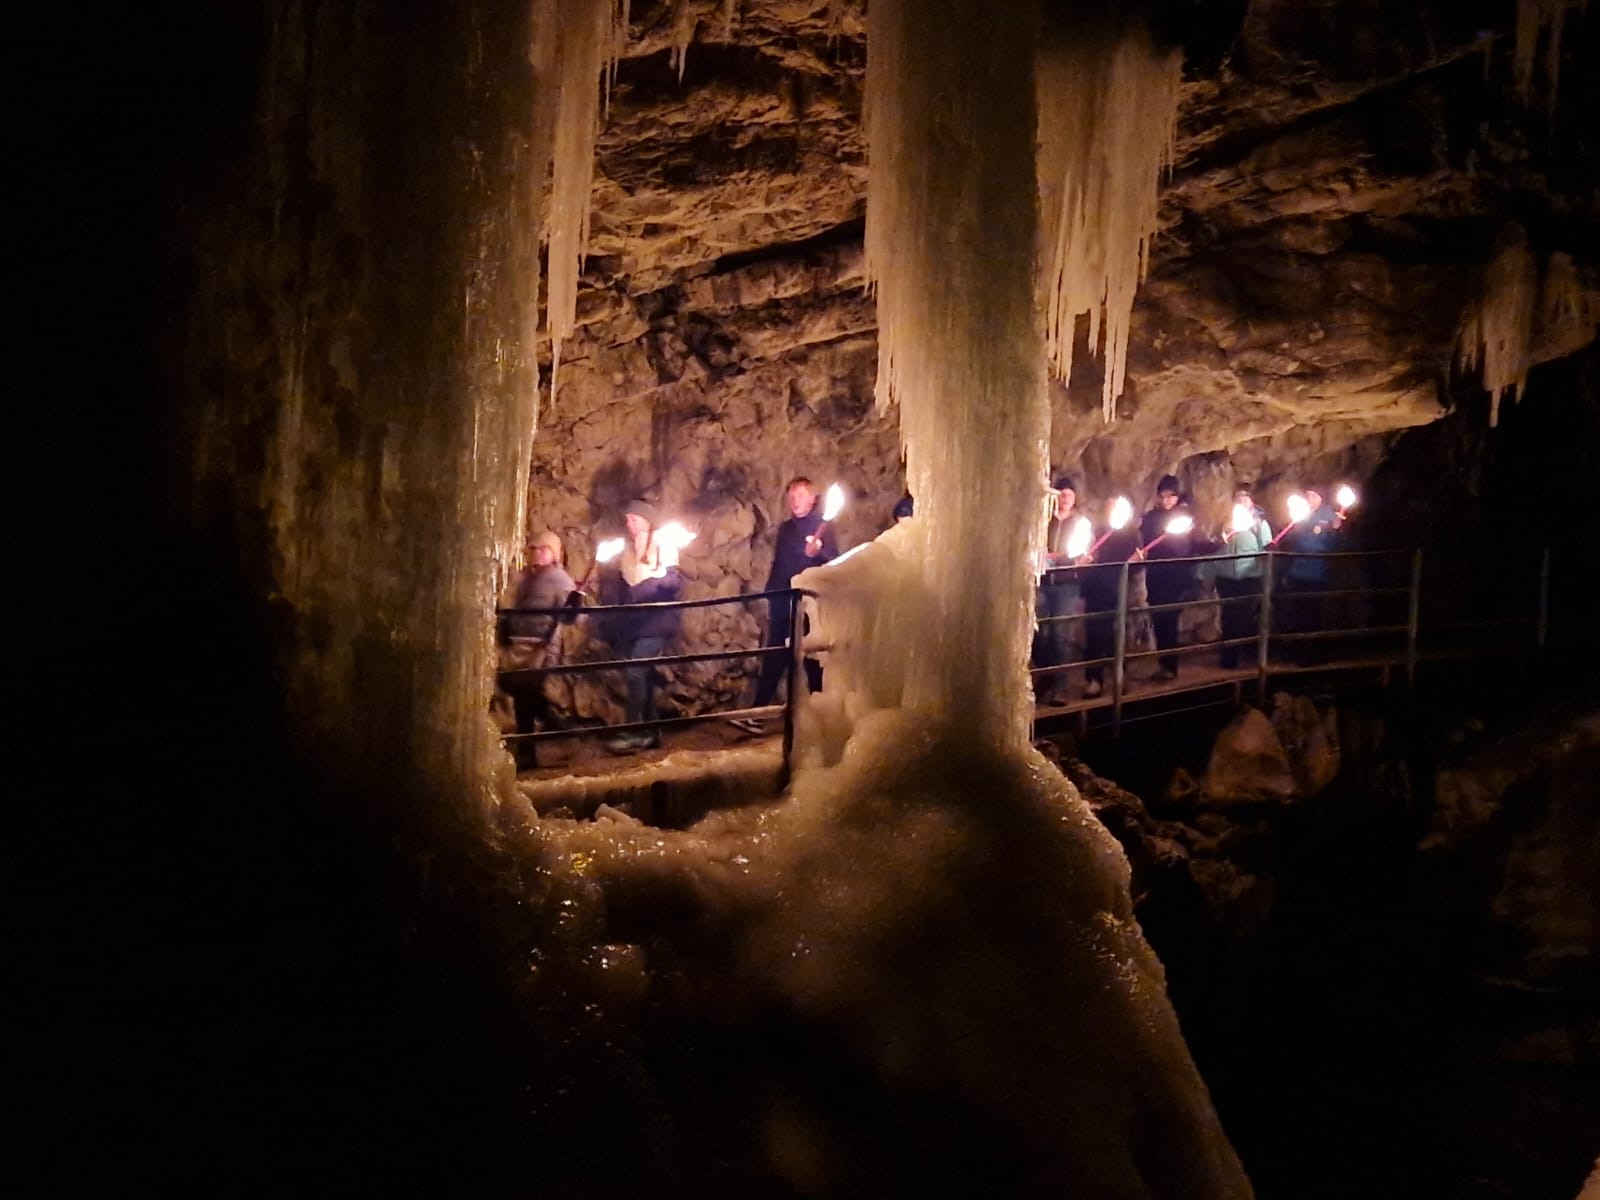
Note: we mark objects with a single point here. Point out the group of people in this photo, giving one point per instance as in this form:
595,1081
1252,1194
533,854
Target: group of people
1168,547
1073,580
646,572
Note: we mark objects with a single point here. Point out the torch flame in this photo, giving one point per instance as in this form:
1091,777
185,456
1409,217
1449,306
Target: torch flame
1346,496
1121,512
1299,508
1180,525
608,549
833,504
1078,539
1243,517
674,535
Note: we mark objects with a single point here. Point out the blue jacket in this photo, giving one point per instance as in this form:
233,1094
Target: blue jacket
1314,536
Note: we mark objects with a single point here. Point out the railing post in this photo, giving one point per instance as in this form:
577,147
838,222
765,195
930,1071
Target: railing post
1541,623
1413,618
1119,663
1264,634
797,670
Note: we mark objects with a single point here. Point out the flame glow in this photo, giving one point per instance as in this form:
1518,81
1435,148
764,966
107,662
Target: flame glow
674,536
1243,517
1299,508
608,549
1078,539
1121,512
1346,496
1180,525
833,505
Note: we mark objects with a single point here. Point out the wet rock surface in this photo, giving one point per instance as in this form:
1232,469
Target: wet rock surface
1402,965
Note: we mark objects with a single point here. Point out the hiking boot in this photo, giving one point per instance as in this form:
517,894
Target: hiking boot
1163,676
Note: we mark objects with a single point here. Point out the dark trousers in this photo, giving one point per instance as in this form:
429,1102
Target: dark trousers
641,680
774,666
1099,640
1241,617
1165,624
1299,612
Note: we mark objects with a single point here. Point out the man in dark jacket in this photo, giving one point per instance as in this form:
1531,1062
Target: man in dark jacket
803,541
1099,585
1167,582
1303,606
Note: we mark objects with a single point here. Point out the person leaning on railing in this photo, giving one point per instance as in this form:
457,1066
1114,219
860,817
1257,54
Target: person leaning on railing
1238,579
645,573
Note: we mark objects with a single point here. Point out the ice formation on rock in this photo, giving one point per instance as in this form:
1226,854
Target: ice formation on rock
1538,19
1108,105
1499,330
589,35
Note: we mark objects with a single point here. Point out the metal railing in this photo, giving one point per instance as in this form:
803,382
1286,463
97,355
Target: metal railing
793,652
1392,635
1386,636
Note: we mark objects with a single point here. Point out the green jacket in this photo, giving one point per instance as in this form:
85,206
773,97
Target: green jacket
1242,554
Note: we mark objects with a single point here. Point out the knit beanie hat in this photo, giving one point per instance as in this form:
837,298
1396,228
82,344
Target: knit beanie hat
1064,483
642,508
1169,483
903,506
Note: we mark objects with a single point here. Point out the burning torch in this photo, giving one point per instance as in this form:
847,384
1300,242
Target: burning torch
603,553
1299,510
1244,518
1177,527
1346,499
1121,514
832,506
670,539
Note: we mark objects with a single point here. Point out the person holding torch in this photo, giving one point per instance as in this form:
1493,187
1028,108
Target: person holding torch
805,539
1117,544
1238,576
646,572
1313,533
1167,532
1059,588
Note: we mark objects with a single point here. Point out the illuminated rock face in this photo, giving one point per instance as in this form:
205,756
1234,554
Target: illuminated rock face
1341,178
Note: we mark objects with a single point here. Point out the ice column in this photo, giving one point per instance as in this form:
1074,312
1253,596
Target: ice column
950,245
1499,331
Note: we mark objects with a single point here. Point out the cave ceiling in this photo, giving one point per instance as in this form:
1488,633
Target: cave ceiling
1343,172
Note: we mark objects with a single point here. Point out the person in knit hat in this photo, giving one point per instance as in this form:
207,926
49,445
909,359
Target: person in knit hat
1058,595
1168,583
529,642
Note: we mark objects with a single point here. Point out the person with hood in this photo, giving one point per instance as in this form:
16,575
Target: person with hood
1058,594
529,642
644,573
803,541
1238,578
1306,575
904,508
1099,575
1168,582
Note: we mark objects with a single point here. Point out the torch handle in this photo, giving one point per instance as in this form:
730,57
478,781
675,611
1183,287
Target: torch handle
1145,549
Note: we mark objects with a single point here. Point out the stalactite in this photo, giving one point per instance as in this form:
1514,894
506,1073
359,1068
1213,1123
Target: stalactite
730,12
683,25
590,35
1499,328
1538,19
1107,118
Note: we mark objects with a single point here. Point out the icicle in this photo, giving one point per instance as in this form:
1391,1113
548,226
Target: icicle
1107,119
1499,330
683,23
591,34
950,203
1536,18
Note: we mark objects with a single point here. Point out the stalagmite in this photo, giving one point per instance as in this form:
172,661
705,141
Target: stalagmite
1107,119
